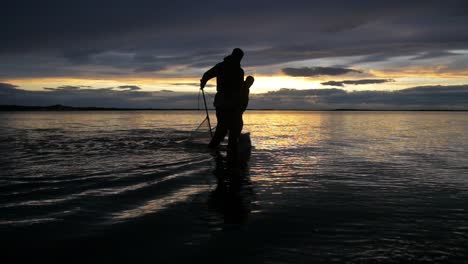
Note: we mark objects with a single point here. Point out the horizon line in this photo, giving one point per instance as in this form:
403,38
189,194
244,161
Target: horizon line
59,107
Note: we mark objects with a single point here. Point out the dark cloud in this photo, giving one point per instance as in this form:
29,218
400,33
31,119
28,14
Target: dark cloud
149,68
66,88
424,97
317,71
7,86
142,58
103,97
90,88
434,54
333,83
59,38
356,82
427,97
380,57
437,89
81,55
301,93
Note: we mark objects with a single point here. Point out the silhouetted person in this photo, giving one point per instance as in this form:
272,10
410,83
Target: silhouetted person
245,91
229,81
244,139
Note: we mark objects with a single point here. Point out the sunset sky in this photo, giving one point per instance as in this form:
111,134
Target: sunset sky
303,54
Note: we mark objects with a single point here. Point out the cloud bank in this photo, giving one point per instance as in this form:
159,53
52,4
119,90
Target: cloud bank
424,97
317,71
356,82
88,38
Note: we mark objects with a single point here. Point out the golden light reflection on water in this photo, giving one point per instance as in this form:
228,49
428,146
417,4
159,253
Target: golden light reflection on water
372,135
281,129
295,146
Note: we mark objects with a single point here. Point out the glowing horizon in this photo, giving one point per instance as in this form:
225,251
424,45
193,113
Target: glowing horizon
401,72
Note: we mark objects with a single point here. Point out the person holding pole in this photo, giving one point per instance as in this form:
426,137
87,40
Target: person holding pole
229,81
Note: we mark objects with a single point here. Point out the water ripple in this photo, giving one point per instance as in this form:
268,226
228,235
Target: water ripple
319,186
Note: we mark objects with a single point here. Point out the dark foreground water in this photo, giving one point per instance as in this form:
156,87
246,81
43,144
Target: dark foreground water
140,187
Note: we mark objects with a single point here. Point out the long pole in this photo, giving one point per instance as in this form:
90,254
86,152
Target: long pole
207,114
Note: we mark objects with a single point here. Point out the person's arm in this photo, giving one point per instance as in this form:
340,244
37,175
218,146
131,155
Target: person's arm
211,73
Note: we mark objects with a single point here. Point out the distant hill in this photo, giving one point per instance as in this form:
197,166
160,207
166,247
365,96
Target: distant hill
59,107
34,108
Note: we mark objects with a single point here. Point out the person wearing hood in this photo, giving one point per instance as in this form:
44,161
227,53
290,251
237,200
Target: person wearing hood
228,103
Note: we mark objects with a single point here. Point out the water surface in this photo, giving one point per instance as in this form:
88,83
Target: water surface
320,187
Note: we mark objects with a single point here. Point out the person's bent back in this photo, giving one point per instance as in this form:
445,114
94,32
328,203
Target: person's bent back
229,78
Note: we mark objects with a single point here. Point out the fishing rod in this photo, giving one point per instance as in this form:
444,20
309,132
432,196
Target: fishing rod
207,114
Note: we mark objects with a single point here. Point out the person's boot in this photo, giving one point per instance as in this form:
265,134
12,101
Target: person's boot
213,144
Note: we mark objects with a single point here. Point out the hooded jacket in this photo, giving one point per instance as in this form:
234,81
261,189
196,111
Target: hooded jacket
229,80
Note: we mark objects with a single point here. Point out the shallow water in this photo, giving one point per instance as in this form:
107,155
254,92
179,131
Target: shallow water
319,187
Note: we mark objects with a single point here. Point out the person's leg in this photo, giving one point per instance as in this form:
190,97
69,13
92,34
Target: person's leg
234,128
221,129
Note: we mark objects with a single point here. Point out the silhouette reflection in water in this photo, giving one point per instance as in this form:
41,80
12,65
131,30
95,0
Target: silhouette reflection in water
232,197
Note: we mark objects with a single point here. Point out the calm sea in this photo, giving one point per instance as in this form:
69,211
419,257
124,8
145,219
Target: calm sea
140,187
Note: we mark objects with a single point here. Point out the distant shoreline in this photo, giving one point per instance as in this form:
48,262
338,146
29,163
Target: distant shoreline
19,108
